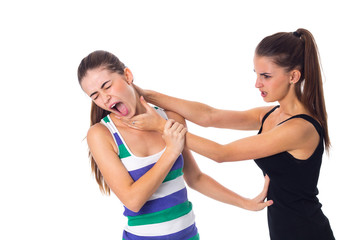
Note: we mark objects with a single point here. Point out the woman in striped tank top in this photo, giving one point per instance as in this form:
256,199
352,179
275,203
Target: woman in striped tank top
149,179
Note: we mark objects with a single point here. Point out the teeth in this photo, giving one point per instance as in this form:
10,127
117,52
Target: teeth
113,105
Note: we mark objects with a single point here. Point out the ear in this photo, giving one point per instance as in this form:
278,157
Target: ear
128,76
295,76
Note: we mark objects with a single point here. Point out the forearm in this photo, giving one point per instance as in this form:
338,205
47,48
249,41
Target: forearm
196,112
206,147
142,189
211,188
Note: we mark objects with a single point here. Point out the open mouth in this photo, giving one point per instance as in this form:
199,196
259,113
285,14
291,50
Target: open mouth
120,108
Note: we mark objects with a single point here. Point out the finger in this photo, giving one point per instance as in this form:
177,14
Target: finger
138,89
175,125
125,121
130,122
145,104
180,128
169,123
267,182
183,131
267,179
261,206
269,203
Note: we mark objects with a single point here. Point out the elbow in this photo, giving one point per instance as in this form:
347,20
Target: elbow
205,122
134,206
132,203
193,180
207,119
220,155
219,159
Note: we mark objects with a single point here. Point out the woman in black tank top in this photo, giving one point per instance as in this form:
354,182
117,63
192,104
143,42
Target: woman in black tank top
291,139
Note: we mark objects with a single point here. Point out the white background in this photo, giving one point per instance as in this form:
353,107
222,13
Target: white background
197,50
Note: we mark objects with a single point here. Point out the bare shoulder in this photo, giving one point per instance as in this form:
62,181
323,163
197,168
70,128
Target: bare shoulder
262,111
301,126
97,130
99,136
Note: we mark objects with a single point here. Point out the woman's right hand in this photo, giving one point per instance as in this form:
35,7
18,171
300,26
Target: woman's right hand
174,136
141,91
258,203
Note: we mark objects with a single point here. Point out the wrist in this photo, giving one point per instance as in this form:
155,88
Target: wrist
244,203
161,126
173,152
149,95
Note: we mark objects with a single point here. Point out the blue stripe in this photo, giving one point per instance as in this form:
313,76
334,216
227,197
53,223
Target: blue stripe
118,139
138,173
160,203
187,233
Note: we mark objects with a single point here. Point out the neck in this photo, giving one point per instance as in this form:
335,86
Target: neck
291,105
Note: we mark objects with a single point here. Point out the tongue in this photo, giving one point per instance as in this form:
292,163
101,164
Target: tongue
122,109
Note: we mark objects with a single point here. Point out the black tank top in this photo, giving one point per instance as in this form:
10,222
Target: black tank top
296,212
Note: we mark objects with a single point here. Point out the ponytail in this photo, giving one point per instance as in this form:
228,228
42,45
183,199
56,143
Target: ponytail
298,50
312,94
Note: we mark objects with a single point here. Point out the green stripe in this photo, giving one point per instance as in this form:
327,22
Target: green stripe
161,216
106,119
123,152
173,174
197,237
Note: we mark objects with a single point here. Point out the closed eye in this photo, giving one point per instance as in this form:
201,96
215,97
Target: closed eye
95,97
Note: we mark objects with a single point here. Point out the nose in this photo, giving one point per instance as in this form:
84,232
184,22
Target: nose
105,97
258,83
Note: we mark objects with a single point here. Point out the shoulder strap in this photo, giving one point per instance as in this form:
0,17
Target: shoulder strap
315,123
123,152
161,112
266,116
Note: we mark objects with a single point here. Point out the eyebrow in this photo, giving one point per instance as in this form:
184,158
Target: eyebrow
102,86
265,73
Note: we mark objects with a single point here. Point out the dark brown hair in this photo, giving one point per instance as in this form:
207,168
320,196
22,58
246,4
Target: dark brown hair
110,62
298,50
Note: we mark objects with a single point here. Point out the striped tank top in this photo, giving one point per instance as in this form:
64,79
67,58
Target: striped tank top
168,213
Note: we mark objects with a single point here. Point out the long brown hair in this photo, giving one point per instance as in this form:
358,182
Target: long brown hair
298,50
110,62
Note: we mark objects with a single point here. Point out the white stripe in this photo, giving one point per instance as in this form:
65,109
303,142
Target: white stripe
162,113
169,187
133,163
165,228
109,125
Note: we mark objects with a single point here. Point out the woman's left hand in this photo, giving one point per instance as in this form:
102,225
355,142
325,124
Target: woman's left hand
257,203
148,121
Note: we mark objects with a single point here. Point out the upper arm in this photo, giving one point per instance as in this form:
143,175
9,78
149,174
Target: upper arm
240,120
191,169
290,136
104,151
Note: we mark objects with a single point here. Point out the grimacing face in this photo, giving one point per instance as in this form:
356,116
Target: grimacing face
111,91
